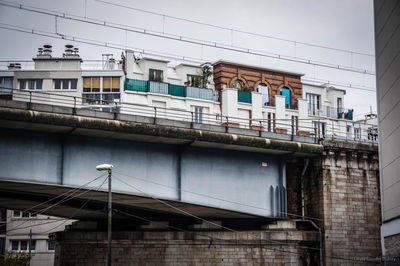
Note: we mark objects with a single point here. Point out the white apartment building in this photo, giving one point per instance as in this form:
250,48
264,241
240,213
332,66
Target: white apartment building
26,231
155,88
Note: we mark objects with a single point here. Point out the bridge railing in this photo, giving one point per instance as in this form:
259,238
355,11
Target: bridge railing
300,129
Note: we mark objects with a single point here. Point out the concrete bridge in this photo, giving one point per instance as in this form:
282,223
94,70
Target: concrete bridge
46,150
172,174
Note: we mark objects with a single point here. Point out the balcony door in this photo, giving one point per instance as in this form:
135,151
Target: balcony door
313,103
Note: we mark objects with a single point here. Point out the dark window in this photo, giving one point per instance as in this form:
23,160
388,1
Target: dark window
57,84
51,245
25,214
33,244
24,245
14,245
156,75
16,214
33,214
74,83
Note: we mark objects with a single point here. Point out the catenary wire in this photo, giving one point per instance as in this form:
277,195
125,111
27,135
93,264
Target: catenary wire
186,39
58,196
220,226
212,197
237,30
69,197
139,50
90,189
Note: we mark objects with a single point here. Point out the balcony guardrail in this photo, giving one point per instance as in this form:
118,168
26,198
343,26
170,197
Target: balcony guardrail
316,129
167,88
244,96
330,112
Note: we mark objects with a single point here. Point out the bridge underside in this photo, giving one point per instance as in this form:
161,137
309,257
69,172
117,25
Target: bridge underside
55,200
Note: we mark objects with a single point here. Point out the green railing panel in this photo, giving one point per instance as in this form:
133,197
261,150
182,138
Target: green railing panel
135,85
244,96
176,90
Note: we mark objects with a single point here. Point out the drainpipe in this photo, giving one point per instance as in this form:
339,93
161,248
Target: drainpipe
321,261
302,187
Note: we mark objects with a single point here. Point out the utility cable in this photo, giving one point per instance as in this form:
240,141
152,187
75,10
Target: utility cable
220,226
237,30
63,200
213,197
121,47
186,39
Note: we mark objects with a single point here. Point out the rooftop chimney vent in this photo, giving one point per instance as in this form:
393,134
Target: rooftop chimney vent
13,66
47,50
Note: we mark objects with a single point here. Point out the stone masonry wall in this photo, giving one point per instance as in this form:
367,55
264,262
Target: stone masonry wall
344,192
185,248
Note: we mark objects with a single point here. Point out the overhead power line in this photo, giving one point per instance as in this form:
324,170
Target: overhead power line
184,39
122,47
276,242
239,31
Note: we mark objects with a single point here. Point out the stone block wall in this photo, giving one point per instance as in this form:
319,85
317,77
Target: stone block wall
341,193
273,247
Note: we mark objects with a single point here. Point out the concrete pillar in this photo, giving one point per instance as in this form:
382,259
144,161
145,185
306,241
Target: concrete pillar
229,102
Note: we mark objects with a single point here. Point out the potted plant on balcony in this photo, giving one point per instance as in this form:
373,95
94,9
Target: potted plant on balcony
206,72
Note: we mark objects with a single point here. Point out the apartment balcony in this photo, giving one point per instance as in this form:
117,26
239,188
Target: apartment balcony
168,89
330,112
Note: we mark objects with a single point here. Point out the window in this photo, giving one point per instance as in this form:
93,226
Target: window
319,129
101,90
65,84
314,103
238,84
348,132
6,84
198,114
156,75
194,80
50,245
30,84
14,245
263,89
294,124
19,214
22,245
269,120
357,133
286,92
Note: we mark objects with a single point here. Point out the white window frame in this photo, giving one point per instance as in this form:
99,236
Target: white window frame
314,103
19,241
21,214
26,83
62,87
101,99
155,73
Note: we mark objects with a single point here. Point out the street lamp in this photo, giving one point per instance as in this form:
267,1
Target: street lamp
108,167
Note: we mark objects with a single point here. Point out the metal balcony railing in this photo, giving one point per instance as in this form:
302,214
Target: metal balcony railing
315,129
167,88
330,112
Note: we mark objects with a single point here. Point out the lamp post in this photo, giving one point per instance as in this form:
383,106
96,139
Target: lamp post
108,167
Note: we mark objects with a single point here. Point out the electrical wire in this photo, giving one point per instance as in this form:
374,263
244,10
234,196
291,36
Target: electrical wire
76,211
141,51
213,197
69,197
185,39
224,227
72,191
237,30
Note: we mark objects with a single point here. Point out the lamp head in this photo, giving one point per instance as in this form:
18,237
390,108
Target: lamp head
104,167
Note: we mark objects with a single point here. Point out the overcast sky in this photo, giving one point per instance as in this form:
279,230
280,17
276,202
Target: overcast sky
340,24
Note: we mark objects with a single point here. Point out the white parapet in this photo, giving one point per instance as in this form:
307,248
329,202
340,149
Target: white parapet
230,102
256,106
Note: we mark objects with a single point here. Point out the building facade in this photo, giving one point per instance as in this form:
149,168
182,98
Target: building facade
23,231
387,50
